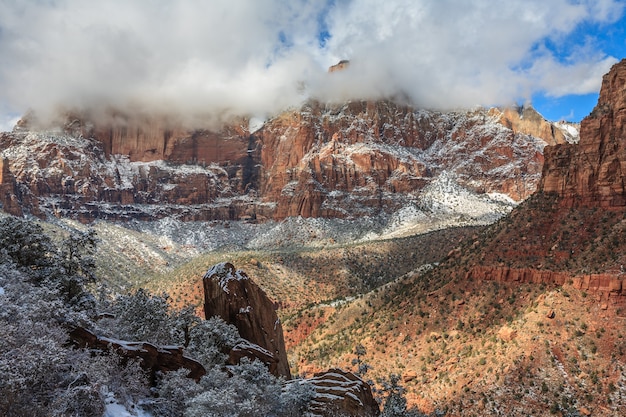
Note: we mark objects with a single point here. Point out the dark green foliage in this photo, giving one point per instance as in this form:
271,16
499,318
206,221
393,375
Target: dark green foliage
24,243
67,267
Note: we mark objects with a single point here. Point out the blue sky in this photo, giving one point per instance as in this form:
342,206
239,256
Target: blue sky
608,38
204,61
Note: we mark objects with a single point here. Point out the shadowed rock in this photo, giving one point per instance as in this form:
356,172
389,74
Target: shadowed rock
153,358
233,296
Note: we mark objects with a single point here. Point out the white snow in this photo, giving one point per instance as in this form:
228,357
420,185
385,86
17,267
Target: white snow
571,131
114,409
445,195
255,123
225,275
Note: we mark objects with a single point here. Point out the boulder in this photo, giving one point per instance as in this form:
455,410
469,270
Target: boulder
341,393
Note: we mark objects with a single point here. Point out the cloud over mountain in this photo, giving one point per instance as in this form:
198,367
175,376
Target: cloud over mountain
221,58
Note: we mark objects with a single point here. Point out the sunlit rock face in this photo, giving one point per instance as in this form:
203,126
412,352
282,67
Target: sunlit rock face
571,230
345,160
593,173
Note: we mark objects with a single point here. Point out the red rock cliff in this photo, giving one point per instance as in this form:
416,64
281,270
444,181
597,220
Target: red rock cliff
233,296
593,173
572,229
349,160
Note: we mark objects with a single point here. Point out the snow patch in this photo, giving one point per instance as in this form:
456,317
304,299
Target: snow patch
225,273
571,131
255,123
114,409
445,195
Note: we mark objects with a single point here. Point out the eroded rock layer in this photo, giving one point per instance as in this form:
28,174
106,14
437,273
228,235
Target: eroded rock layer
348,160
338,392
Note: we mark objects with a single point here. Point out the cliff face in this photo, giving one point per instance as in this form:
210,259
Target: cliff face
151,138
572,229
350,160
593,173
332,160
526,120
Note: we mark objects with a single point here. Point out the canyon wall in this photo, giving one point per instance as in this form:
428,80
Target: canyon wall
592,173
347,160
575,222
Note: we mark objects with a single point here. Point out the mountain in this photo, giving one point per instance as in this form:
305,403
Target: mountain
334,161
523,318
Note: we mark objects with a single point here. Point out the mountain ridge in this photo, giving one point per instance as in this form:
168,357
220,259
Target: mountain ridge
346,161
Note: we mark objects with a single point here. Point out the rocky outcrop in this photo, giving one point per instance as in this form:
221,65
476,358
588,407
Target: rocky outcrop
341,393
608,284
153,358
593,173
8,190
341,65
526,120
245,349
233,296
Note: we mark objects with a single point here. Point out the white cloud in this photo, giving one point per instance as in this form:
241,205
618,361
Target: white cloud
451,53
223,57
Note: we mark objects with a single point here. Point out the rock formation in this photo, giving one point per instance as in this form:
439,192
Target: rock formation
233,296
341,393
526,120
348,160
251,351
610,287
593,173
341,65
153,358
8,188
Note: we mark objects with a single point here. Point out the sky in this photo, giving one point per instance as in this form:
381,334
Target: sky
204,61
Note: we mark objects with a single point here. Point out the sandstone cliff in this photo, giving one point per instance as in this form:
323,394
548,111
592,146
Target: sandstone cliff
593,173
350,160
233,296
526,120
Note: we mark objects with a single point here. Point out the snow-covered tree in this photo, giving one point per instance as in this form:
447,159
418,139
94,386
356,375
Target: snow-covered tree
249,391
210,339
142,316
34,361
68,267
24,243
